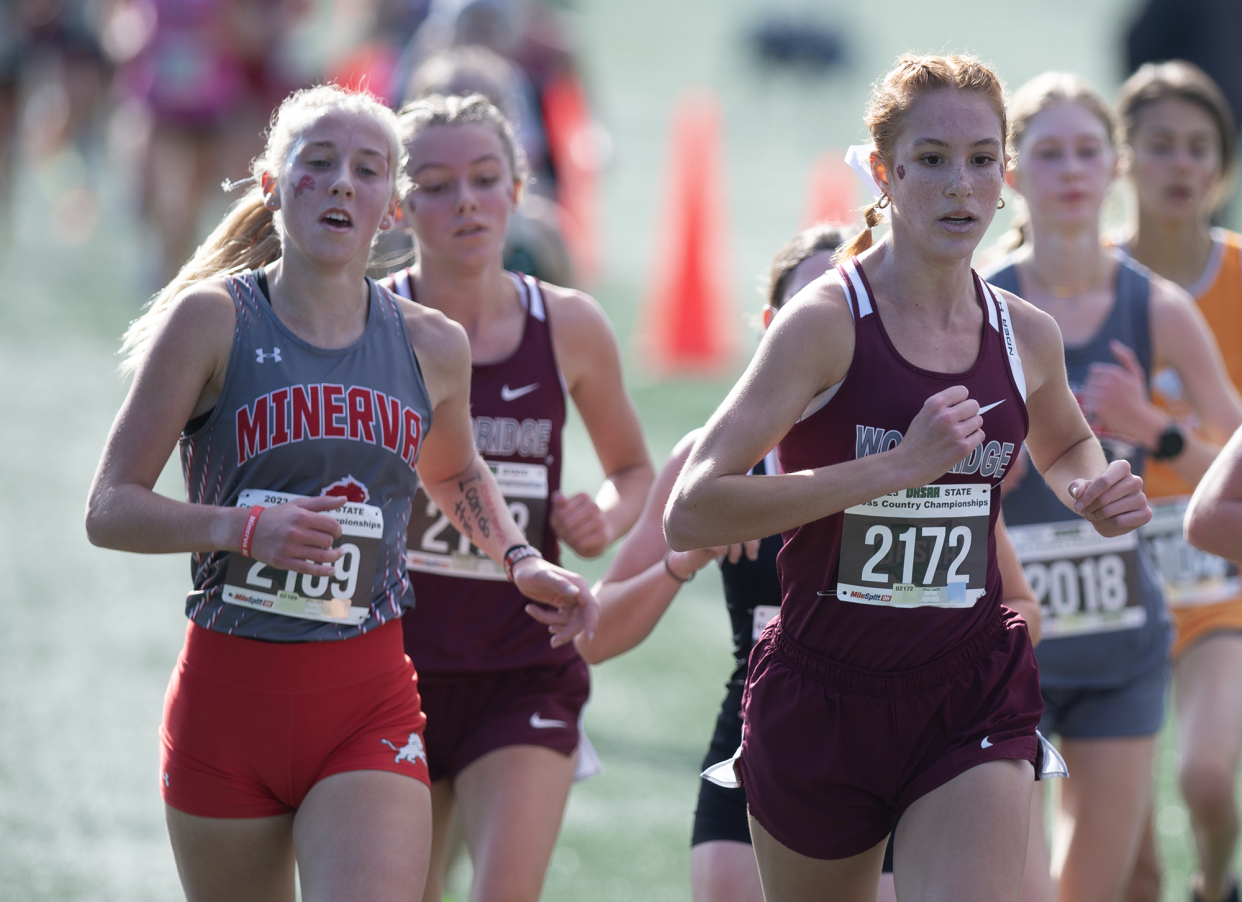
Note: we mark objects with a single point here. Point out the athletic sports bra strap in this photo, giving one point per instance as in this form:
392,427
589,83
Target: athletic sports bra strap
1007,337
537,309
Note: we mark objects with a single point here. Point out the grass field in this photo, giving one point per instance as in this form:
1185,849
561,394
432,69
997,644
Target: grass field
90,636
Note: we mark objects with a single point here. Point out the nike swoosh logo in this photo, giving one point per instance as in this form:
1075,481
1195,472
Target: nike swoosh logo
985,744
982,411
512,394
540,723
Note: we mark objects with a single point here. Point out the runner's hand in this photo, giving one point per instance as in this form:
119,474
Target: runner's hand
1113,502
297,536
564,600
944,432
1117,395
580,523
734,552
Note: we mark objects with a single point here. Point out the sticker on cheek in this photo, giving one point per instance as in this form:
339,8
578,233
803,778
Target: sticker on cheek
306,183
901,171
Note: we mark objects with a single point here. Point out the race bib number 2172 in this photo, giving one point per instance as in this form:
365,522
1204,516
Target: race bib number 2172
924,547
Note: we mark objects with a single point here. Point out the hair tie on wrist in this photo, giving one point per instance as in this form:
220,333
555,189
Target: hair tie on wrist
252,521
669,570
517,553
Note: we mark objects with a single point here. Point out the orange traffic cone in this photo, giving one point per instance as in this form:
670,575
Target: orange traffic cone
577,155
689,328
835,193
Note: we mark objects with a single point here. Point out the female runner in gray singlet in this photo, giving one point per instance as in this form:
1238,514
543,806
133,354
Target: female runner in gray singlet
1104,659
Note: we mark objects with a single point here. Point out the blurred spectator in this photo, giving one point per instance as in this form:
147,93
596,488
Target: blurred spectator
209,73
53,78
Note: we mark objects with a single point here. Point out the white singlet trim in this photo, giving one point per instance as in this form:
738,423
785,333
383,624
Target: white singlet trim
854,273
770,466
400,284
1011,344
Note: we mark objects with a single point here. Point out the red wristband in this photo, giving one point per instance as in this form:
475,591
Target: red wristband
252,521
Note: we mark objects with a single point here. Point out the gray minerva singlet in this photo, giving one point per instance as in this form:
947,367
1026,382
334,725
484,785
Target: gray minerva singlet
1103,612
294,419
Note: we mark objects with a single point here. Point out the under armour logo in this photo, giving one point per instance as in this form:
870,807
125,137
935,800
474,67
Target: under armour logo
261,357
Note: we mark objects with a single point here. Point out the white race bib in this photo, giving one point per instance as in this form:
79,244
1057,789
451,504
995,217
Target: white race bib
763,615
344,597
1191,577
917,548
435,545
1085,582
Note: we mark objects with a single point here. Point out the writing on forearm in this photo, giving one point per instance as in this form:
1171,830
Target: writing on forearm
474,508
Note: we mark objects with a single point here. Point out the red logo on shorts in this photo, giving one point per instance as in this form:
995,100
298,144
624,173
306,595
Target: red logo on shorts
350,489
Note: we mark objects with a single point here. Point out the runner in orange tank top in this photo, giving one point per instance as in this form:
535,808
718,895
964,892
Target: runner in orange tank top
1180,131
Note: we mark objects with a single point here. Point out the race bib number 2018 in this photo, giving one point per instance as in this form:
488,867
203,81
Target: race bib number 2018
1085,582
344,597
917,548
1191,577
435,545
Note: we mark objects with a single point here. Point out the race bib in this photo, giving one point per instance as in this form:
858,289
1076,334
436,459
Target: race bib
1085,582
763,615
435,545
1191,577
917,548
344,597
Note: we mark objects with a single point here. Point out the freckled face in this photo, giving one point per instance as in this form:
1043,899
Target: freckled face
1177,163
465,194
1065,165
336,188
948,168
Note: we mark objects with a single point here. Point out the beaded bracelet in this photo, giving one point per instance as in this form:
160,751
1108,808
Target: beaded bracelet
669,570
517,553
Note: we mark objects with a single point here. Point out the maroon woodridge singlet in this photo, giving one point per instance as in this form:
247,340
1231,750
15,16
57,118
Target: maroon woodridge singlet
898,582
467,617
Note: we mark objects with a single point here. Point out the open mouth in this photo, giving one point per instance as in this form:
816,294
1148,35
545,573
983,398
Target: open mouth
337,219
958,219
473,228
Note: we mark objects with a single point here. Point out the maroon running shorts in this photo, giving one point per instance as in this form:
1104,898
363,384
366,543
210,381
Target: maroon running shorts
832,756
471,714
249,726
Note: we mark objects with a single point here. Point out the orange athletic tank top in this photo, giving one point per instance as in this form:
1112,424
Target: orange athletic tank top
1219,295
1193,577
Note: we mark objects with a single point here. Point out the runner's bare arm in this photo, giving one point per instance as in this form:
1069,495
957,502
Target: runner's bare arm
808,348
1214,518
181,377
1060,443
637,590
1117,392
587,353
1018,593
462,486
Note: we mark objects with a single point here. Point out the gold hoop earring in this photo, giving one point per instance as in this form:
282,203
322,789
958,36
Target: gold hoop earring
1001,205
883,202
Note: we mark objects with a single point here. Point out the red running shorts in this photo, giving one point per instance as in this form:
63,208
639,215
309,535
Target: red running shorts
832,756
249,726
469,715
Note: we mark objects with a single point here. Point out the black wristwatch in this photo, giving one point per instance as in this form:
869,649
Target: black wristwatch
1170,444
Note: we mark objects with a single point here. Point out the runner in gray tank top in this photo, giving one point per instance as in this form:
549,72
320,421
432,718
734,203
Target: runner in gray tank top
1104,658
304,398
899,392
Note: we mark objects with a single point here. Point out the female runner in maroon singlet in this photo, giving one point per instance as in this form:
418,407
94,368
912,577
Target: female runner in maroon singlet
892,684
503,708
292,728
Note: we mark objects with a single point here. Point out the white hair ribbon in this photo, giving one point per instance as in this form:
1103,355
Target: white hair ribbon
859,158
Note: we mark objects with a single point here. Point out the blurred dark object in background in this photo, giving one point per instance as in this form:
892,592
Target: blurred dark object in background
1207,33
796,40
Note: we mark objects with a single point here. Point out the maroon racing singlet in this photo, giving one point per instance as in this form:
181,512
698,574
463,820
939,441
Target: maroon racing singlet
899,581
467,617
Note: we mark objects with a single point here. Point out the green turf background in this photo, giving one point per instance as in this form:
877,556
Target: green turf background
88,637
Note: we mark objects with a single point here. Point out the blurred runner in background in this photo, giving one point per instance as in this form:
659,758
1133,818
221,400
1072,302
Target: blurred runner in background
1104,659
1180,134
503,708
209,72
